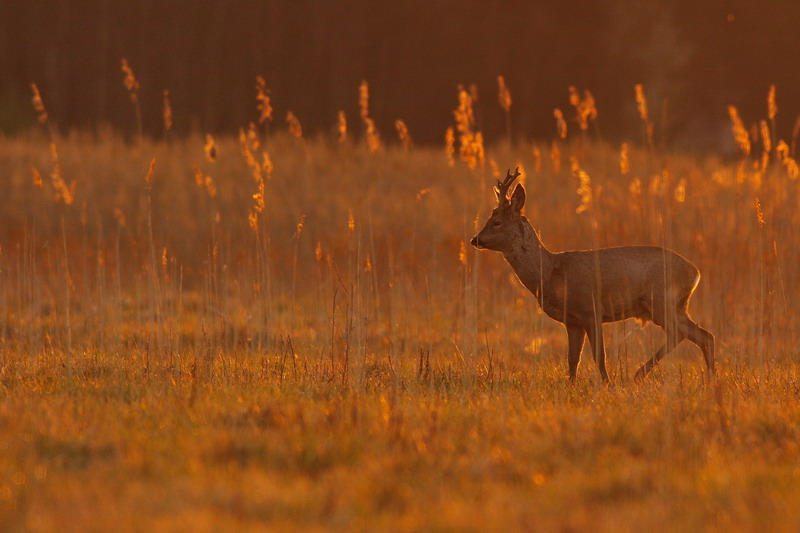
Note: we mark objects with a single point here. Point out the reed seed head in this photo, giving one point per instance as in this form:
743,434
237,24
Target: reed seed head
210,148
402,132
363,99
263,101
680,191
167,111
772,106
259,198
129,79
788,162
342,127
759,213
561,124
766,139
739,131
537,158
266,165
503,94
470,143
37,177
585,108
252,220
294,125
148,179
449,146
62,191
38,104
641,101
624,160
585,185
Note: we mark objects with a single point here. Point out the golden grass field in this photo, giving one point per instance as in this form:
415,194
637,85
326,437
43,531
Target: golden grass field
172,359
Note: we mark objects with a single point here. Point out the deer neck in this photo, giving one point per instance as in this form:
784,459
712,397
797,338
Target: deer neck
530,259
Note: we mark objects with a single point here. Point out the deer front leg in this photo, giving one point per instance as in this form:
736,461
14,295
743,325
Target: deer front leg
594,331
575,335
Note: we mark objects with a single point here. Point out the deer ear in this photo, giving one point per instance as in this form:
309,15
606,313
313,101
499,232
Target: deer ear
518,198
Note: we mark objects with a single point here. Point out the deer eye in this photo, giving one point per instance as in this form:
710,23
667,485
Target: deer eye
497,223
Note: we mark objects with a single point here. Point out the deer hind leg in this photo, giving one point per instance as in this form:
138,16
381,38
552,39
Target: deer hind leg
702,338
676,331
576,335
674,336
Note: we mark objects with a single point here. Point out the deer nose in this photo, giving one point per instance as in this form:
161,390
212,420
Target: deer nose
474,241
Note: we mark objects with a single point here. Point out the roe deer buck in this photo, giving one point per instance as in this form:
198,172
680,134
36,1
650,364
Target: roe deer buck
583,289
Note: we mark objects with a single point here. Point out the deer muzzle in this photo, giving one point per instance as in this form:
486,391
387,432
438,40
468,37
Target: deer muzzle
474,242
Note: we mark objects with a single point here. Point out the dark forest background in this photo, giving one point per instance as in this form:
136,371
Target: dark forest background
693,57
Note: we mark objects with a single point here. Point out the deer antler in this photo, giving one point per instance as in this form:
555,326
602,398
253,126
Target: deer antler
501,189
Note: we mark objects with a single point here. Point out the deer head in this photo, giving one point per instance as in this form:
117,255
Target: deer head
503,229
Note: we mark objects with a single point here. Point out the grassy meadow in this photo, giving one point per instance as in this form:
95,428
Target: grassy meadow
286,332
